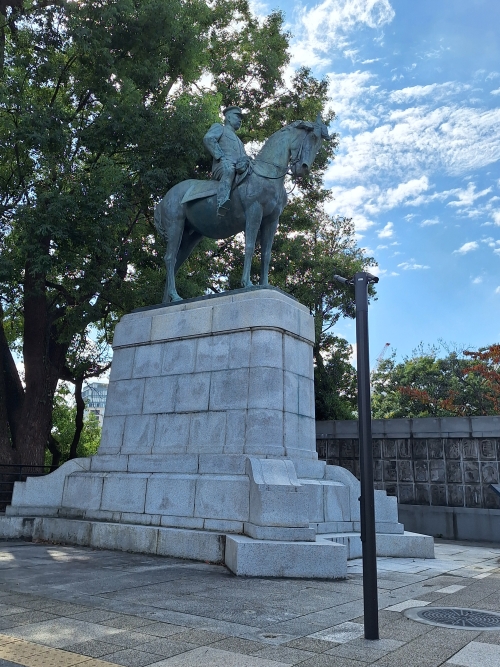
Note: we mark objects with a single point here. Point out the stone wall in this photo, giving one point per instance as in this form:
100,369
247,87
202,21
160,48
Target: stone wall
448,461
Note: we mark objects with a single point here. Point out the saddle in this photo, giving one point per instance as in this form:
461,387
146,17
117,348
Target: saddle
203,189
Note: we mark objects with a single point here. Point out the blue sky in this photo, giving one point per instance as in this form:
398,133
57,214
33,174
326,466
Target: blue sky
416,90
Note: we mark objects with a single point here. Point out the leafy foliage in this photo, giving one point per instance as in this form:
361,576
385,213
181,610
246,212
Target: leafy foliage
103,107
63,428
427,385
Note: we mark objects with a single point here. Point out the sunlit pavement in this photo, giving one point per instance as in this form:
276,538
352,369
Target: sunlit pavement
63,606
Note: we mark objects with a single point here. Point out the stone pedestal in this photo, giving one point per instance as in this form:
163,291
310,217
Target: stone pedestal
208,449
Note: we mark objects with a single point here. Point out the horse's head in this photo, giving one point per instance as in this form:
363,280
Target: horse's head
307,144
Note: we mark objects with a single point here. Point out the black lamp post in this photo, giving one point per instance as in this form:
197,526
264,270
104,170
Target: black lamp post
360,283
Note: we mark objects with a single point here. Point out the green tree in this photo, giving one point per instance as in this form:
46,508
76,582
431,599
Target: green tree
429,385
63,430
99,116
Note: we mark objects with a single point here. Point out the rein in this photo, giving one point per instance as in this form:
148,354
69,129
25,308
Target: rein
288,171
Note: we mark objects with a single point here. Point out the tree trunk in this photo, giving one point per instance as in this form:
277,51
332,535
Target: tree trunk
80,408
44,358
53,447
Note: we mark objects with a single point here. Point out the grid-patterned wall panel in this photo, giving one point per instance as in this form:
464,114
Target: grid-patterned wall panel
429,464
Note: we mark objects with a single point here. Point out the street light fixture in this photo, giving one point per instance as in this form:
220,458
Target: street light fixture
360,282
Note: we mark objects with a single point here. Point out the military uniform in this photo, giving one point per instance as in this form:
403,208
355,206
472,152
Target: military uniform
229,155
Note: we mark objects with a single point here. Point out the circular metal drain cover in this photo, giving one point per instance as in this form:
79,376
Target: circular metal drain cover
451,617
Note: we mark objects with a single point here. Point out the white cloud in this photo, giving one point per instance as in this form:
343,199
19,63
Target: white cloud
436,90
495,92
396,196
428,223
478,280
329,24
386,232
452,140
412,266
350,96
468,196
467,247
497,291
496,217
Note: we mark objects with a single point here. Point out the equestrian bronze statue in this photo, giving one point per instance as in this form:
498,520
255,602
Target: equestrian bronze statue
193,209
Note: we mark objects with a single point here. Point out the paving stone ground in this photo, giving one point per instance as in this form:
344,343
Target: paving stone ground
62,606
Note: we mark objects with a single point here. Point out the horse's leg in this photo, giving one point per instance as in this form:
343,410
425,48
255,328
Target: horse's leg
267,231
253,219
189,241
174,227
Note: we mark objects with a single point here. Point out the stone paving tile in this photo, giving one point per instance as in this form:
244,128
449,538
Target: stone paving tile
132,658
199,637
208,656
165,647
162,629
127,639
474,654
325,660
290,656
94,615
310,644
340,634
365,650
25,618
62,632
490,637
126,622
7,610
429,650
7,663
92,648
238,645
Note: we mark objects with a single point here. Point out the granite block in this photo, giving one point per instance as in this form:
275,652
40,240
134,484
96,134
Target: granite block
112,434
291,392
182,324
207,432
160,394
124,492
213,353
139,434
171,434
229,389
124,397
192,392
239,349
264,429
298,356
170,494
123,363
180,356
235,431
266,349
147,361
83,490
222,497
265,388
131,330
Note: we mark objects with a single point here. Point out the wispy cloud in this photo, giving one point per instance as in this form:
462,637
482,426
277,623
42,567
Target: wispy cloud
430,222
386,232
328,26
467,247
412,266
497,291
477,281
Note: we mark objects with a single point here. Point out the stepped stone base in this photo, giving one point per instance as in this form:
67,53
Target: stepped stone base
208,450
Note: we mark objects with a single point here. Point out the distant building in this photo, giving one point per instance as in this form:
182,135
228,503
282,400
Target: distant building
94,394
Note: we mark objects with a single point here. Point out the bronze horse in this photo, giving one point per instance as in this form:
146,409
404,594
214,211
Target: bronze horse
188,212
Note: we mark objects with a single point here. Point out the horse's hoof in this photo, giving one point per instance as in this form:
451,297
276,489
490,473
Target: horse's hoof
248,284
174,297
